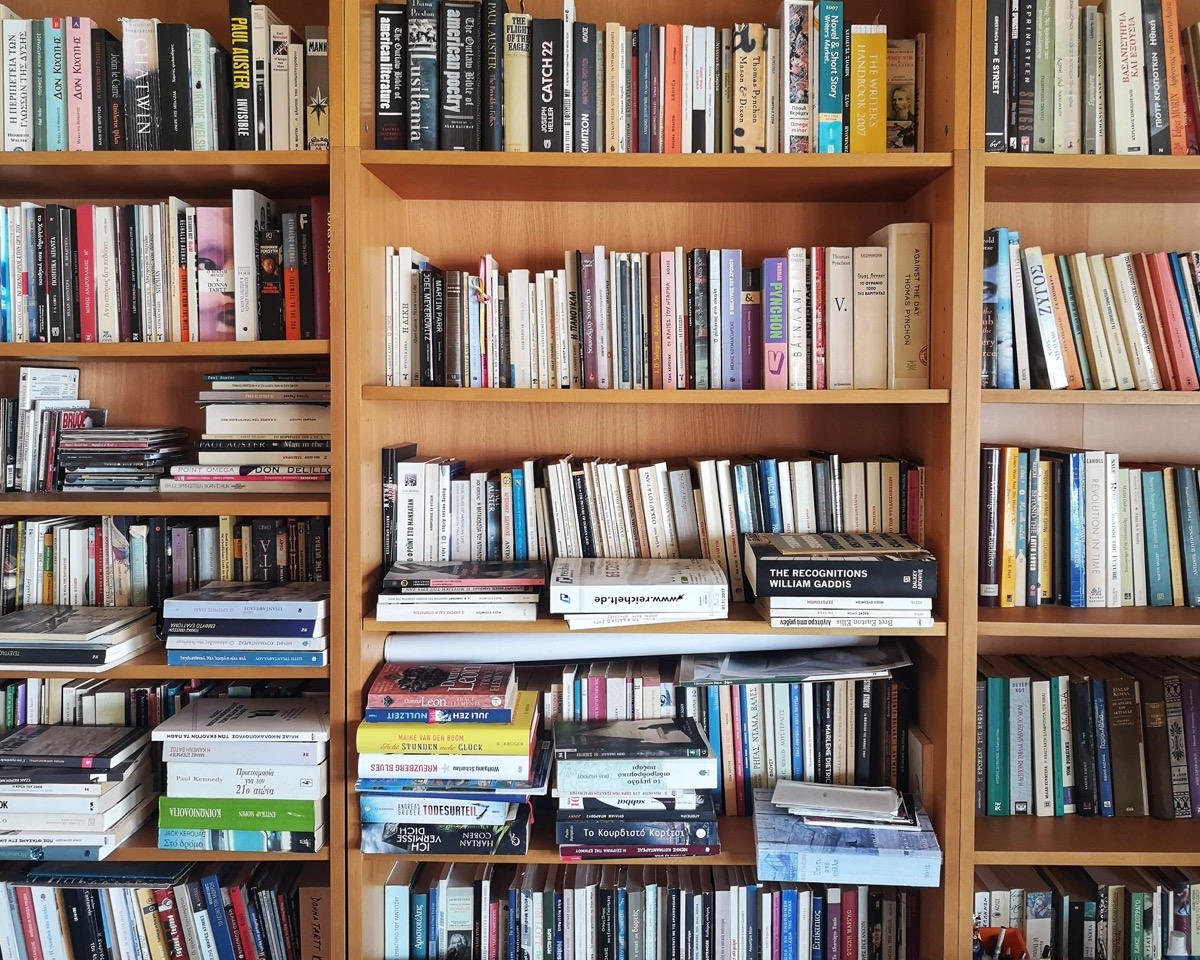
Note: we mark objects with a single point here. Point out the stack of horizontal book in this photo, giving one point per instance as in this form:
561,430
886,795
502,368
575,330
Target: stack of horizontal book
634,788
271,405
448,758
863,582
249,624
245,773
617,592
805,832
73,792
79,639
461,590
114,459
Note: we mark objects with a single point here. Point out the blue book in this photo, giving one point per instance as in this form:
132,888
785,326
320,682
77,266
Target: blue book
521,545
217,916
559,933
714,739
831,75
420,923
247,658
442,714
1104,781
1158,556
7,291
818,925
54,37
1005,344
789,898
768,480
1183,286
1189,532
106,919
1073,570
744,736
745,484
514,922
474,325
997,738
622,923
795,705
731,319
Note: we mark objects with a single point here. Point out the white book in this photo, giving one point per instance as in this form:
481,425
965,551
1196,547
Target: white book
540,309
1067,93
870,318
715,364
1095,97
1039,305
804,496
1133,321
18,84
248,720
1044,716
589,585
443,766
1137,537
1095,496
1126,78
105,819
773,99
1112,531
604,346
1115,337
104,239
296,94
257,781
839,317
252,213
261,21
200,67
1124,532
247,752
787,501
562,339
405,304
449,613
797,312
686,90
568,79
1095,340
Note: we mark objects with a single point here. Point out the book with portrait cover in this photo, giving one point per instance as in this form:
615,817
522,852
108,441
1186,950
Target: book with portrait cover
215,303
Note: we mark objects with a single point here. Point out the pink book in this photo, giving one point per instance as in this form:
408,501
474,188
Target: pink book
80,119
85,219
214,274
816,290
426,685
669,346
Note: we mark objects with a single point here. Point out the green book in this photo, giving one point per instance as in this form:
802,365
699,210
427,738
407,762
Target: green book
189,813
37,49
998,753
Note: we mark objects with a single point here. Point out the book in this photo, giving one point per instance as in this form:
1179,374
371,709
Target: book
231,781
251,601
243,841
282,719
51,745
628,739
73,625
511,838
434,686
587,585
239,813
465,576
513,737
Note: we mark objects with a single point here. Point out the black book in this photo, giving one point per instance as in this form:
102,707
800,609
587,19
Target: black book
865,708
128,303
264,551
241,83
1024,95
308,313
421,74
545,88
989,533
68,252
824,732
1083,739
629,739
1158,120
587,535
53,277
433,326
491,66
646,37
53,745
270,285
233,627
74,912
174,90
586,134
38,308
460,74
390,457
114,94
492,496
222,96
99,45
603,809
995,112
461,576
391,92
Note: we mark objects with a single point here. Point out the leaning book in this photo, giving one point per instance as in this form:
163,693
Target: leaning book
280,719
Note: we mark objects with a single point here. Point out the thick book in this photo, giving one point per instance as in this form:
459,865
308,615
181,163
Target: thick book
546,88
629,739
509,839
580,585
421,75
251,601
52,745
465,575
316,87
391,96
70,624
774,568
513,737
240,75
434,686
284,719
239,813
459,68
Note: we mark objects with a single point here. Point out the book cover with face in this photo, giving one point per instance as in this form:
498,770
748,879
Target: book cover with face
214,273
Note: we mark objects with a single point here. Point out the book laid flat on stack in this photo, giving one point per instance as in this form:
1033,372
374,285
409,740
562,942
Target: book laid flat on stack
79,639
449,756
232,623
73,792
115,459
614,592
245,774
414,592
634,788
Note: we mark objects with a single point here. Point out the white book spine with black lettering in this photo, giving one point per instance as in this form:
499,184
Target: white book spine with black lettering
797,319
1115,337
1095,494
104,238
733,551
1133,322
1043,747
839,314
603,329
1094,94
685,88
540,306
1127,128
870,318
18,84
1095,340
1066,77
1112,507
1038,304
1126,538
1137,537
715,365
252,213
772,98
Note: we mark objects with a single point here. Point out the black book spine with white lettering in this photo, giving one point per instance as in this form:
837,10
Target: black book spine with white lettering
421,74
545,88
174,87
391,91
142,103
68,240
270,285
646,35
239,73
1158,119
1024,95
99,45
995,111
38,312
114,93
583,85
433,324
458,98
308,313
989,541
264,554
54,278
491,71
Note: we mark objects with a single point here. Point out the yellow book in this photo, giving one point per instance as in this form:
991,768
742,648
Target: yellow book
1009,472
155,939
516,82
1046,530
868,84
494,739
750,88
1173,536
227,536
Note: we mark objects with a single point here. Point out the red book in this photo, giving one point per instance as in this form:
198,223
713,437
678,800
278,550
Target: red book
421,685
291,276
850,907
1159,338
168,914
85,217
321,265
673,99
241,915
739,772
29,925
1162,277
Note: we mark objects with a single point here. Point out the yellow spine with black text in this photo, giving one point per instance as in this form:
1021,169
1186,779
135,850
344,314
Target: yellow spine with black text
516,82
1173,536
155,939
868,81
1009,473
511,739
1046,530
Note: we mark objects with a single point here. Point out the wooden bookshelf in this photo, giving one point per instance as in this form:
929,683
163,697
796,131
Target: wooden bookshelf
176,504
650,398
143,845
1135,841
1153,398
226,352
152,665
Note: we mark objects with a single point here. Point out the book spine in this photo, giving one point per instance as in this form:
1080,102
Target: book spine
442,840
391,89
459,126
546,94
1157,107
421,74
831,76
315,72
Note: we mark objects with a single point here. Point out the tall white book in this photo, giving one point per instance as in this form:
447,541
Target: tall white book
252,213
1126,85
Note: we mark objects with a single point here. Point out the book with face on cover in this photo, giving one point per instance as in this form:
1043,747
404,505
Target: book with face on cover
658,737
55,745
279,719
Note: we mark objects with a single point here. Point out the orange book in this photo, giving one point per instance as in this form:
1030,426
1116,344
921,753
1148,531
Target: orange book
1174,326
1159,338
1176,106
1062,320
673,100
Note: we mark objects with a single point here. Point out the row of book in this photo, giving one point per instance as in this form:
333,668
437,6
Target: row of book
1098,737
121,561
438,510
1117,78
1121,913
71,85
162,272
206,911
810,83
1089,321
1082,529
494,911
814,318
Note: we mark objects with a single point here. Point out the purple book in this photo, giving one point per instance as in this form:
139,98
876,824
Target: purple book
214,273
1189,688
587,318
731,326
774,320
752,329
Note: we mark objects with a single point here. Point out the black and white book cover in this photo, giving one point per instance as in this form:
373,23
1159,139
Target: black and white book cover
143,125
421,73
316,88
491,63
174,87
660,737
115,130
391,90
98,43
584,84
545,88
266,719
241,85
56,622
458,118
55,745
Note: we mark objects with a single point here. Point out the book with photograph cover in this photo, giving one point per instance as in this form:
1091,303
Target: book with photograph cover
629,739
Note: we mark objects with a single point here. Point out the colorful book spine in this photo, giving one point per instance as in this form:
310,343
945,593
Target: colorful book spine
831,78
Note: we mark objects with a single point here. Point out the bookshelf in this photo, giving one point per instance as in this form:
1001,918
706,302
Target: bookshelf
157,384
526,209
1102,204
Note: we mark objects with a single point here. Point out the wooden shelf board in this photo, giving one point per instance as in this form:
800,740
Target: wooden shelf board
1053,621
1048,178
143,845
712,178
152,665
736,834
1085,840
1089,398
158,352
704,398
132,174
743,619
175,504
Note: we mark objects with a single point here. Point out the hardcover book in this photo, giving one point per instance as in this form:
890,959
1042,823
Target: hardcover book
459,75
285,719
449,685
316,74
391,89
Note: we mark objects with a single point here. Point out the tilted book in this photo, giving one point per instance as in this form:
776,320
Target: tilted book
579,585
629,739
436,685
300,719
